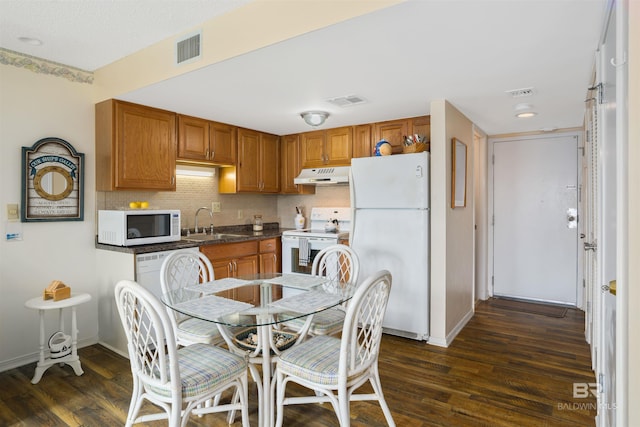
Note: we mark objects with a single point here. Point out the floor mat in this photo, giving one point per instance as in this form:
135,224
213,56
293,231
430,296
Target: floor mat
529,307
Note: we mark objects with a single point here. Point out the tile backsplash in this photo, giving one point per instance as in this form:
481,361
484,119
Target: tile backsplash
195,192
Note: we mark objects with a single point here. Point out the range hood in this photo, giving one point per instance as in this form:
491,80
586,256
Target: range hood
323,176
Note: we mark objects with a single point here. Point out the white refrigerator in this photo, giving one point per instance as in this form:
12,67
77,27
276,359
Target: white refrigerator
390,230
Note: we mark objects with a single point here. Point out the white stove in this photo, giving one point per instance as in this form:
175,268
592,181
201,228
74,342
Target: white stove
300,247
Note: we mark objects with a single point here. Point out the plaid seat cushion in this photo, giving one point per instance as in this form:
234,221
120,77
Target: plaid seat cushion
197,330
314,360
326,322
203,367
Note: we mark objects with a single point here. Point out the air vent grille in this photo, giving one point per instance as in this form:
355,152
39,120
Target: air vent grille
188,49
345,101
519,93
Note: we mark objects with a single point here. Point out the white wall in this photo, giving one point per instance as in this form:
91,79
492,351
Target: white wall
34,106
452,236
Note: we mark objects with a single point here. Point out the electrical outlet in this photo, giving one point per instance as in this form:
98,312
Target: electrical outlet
240,214
215,206
12,211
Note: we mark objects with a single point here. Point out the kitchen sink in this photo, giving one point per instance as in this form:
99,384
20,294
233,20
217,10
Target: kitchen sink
214,236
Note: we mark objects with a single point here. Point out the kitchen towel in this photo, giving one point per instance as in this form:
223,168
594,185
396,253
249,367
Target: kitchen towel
304,253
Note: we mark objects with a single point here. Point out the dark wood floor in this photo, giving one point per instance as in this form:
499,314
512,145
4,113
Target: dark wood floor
504,369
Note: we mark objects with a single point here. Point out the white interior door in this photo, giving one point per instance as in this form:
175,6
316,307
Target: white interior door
535,218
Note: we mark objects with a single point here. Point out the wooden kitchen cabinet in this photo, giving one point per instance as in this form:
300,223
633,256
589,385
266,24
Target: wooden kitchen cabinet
205,142
258,165
270,253
135,147
290,166
394,131
332,147
270,260
362,143
223,143
235,260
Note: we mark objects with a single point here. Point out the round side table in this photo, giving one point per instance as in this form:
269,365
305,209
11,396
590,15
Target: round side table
71,359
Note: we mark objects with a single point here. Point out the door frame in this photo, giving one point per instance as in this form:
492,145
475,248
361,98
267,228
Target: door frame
571,132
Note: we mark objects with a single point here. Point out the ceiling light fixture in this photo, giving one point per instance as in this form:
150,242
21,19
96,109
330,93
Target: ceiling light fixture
314,118
524,111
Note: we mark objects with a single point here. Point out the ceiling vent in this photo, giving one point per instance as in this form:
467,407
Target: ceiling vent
346,101
519,93
189,49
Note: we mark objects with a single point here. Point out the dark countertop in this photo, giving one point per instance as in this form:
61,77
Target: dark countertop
243,233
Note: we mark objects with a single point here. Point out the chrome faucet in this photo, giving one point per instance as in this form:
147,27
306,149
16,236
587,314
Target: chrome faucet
210,215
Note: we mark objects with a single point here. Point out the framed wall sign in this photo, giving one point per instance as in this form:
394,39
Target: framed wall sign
52,182
458,173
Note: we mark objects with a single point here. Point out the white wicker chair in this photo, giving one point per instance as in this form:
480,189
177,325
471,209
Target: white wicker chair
336,367
340,264
182,269
179,380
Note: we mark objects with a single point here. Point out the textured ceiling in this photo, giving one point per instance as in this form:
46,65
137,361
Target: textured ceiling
399,59
89,34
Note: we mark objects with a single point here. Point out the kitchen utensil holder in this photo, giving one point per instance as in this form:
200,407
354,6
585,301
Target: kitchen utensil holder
416,147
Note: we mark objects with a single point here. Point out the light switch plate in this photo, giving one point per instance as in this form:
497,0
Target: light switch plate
12,211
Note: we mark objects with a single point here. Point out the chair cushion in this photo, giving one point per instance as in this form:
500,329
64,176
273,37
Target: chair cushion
204,367
314,360
198,330
326,322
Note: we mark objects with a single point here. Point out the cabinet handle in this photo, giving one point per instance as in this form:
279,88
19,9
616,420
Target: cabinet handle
206,154
212,155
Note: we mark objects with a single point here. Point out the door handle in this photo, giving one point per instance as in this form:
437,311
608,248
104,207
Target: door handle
590,246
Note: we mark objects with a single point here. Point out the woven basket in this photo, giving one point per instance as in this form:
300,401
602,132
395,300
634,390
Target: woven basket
416,147
282,340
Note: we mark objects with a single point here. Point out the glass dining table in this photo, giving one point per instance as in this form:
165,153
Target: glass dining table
258,331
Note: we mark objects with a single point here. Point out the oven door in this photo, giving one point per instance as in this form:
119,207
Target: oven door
290,252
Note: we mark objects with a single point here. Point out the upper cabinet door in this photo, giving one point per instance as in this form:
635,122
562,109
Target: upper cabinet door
362,144
248,169
193,138
270,163
339,146
206,142
393,132
258,166
312,149
223,143
421,126
135,147
332,147
290,166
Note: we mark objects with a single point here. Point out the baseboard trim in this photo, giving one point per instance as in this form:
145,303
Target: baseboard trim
440,342
26,359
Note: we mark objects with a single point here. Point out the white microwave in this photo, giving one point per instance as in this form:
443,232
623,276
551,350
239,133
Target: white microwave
138,227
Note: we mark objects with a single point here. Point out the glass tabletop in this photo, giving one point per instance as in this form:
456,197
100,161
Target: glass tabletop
214,301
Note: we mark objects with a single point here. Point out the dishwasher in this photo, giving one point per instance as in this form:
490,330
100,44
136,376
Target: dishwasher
148,269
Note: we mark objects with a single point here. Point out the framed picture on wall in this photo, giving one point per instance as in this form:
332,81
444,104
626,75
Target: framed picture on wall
52,182
458,173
